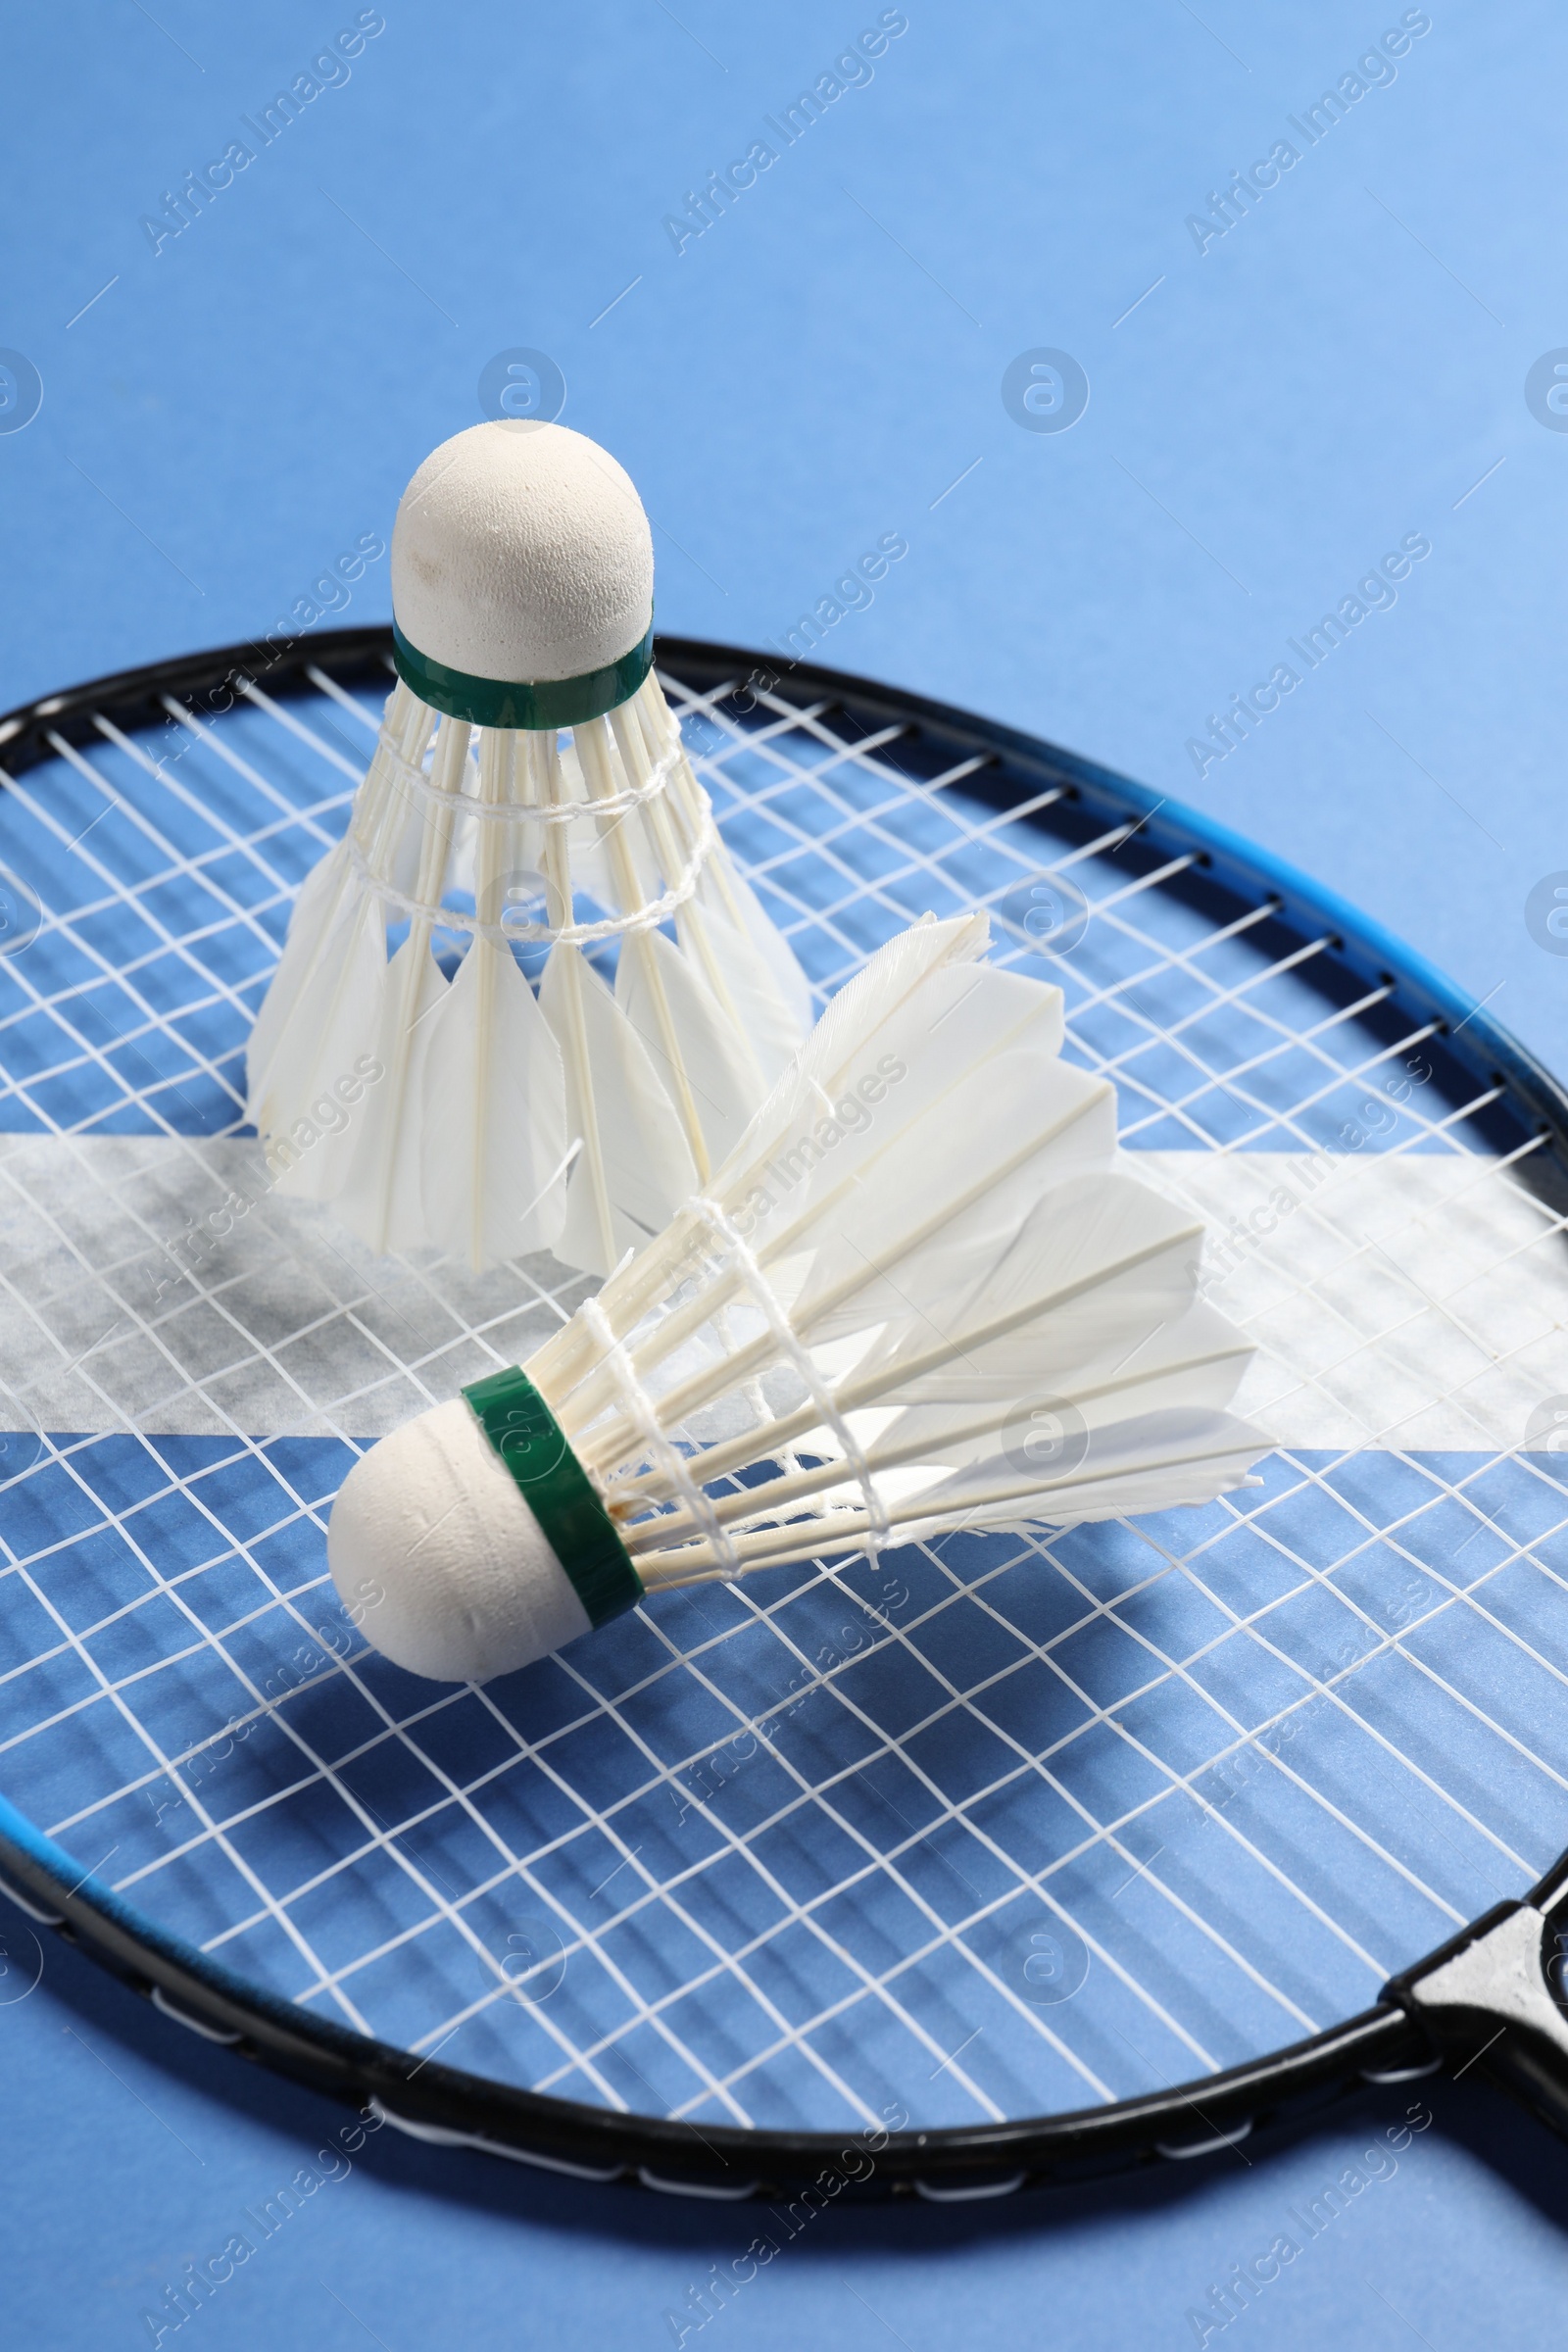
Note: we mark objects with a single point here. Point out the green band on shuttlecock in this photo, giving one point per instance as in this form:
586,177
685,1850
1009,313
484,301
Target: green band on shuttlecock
504,703
557,1489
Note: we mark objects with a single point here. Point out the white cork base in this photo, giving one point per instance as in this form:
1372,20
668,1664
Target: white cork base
521,552
440,1561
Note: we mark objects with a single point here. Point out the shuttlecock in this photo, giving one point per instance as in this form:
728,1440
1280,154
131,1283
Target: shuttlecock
529,791
918,1296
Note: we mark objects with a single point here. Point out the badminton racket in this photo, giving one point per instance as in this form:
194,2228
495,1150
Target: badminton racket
975,1864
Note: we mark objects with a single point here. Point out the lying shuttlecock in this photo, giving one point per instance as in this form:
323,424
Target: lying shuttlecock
529,791
916,1296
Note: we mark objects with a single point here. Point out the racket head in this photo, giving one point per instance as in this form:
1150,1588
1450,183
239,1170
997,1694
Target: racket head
995,1860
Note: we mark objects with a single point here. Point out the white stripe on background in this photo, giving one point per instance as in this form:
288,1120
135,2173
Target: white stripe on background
1410,1299
1366,1284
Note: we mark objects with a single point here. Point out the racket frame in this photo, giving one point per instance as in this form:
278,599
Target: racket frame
1473,1999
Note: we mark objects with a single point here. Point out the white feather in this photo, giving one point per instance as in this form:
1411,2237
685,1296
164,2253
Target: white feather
635,1168
960,1253
379,1195
492,1108
725,892
317,914
1151,1462
955,1315
842,1038
698,1052
456,1146
315,1062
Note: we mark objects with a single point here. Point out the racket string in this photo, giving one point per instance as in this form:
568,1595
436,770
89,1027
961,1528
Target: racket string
840,811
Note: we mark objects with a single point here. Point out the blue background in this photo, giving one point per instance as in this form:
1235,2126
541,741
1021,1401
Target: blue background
1345,365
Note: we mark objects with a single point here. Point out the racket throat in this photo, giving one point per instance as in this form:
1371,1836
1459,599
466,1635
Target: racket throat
1494,1998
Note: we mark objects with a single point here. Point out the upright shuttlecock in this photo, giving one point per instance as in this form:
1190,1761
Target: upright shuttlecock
529,791
918,1296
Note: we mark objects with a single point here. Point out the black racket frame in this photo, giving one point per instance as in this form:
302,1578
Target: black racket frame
1465,2000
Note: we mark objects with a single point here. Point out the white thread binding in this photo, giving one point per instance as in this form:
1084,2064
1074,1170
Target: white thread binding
641,1410
571,935
406,775
738,1256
